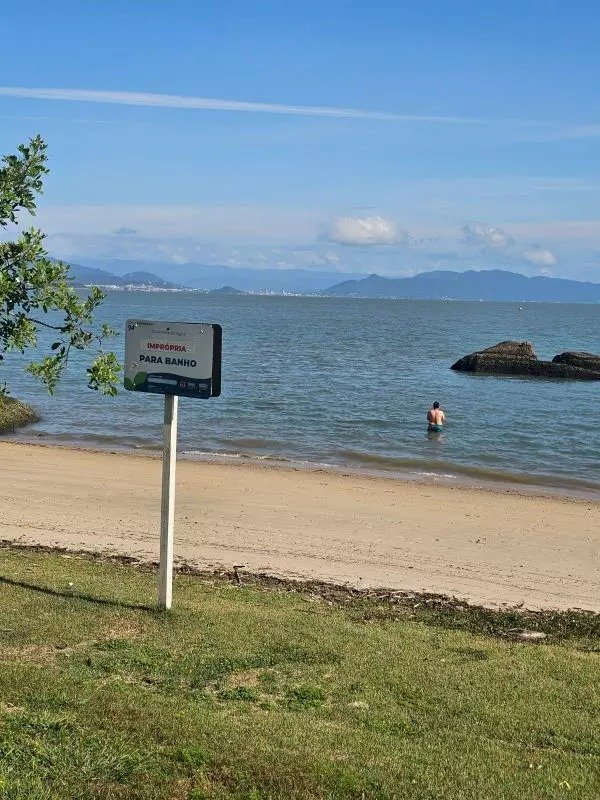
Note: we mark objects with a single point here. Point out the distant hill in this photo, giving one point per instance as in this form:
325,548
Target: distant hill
204,276
491,284
226,290
142,278
88,276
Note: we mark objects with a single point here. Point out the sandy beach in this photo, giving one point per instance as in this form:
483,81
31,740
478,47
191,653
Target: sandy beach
490,547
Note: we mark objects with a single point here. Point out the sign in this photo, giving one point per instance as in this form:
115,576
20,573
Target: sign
176,358
171,358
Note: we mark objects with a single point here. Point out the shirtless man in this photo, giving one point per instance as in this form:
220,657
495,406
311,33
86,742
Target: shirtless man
435,418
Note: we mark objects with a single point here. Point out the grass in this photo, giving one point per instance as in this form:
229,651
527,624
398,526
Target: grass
250,692
14,414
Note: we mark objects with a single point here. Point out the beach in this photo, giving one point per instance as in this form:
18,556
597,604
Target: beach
492,547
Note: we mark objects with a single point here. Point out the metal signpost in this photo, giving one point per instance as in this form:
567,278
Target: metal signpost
173,359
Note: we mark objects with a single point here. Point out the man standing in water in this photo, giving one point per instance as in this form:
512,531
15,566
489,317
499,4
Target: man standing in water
435,418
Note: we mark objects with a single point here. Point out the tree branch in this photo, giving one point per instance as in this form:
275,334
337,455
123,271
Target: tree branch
47,325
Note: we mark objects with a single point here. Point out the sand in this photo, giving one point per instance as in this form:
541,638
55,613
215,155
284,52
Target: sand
489,547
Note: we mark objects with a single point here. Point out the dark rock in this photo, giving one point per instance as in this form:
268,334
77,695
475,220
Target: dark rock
518,358
585,360
506,358
556,370
519,349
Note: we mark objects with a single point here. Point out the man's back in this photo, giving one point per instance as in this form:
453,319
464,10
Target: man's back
435,415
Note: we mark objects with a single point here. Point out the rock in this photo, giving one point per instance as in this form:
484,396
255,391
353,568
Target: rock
519,358
585,360
557,370
508,348
526,636
14,414
504,358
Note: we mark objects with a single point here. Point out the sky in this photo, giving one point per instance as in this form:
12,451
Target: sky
388,137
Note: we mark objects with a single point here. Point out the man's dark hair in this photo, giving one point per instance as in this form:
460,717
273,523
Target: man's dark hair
436,404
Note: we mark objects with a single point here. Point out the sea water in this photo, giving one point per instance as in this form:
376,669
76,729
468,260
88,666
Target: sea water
346,384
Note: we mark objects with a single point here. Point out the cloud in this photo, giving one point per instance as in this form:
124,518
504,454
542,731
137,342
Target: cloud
218,104
493,239
362,231
578,260
486,236
528,129
540,257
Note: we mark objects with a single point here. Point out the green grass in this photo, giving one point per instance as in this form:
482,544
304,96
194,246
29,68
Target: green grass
252,692
14,414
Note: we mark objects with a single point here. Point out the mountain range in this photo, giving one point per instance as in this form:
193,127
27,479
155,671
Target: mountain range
92,276
493,284
203,276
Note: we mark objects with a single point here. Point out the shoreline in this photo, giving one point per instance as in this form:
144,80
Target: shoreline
373,604
517,483
494,548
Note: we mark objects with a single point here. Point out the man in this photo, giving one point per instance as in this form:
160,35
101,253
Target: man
435,418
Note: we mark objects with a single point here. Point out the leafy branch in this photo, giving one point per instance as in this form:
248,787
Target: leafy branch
31,284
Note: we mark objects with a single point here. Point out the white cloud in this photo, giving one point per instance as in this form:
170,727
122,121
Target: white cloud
362,231
540,257
578,260
528,129
480,235
218,104
495,240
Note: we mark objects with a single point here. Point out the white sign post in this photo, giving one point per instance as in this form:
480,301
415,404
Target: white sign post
172,359
167,504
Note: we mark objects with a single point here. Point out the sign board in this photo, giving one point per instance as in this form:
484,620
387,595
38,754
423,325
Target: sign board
173,358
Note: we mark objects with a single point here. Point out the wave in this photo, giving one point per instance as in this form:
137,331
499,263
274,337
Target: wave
452,469
337,460
101,441
200,455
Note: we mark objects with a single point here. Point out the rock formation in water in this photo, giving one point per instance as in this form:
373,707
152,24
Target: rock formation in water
585,360
14,414
519,358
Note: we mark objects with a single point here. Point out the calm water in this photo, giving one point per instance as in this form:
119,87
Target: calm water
347,382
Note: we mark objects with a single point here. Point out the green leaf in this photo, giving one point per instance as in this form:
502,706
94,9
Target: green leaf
35,290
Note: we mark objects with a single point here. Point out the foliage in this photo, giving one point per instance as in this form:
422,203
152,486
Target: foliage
34,289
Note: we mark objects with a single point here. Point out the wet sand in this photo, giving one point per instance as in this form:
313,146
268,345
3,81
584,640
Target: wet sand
491,547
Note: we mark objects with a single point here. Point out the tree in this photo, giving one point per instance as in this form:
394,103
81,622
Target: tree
34,288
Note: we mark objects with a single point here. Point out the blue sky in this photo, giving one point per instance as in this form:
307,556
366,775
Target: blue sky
389,137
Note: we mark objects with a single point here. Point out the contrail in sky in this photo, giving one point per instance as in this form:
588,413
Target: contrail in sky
216,104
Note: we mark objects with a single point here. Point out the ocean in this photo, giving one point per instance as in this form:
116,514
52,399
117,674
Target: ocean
345,384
